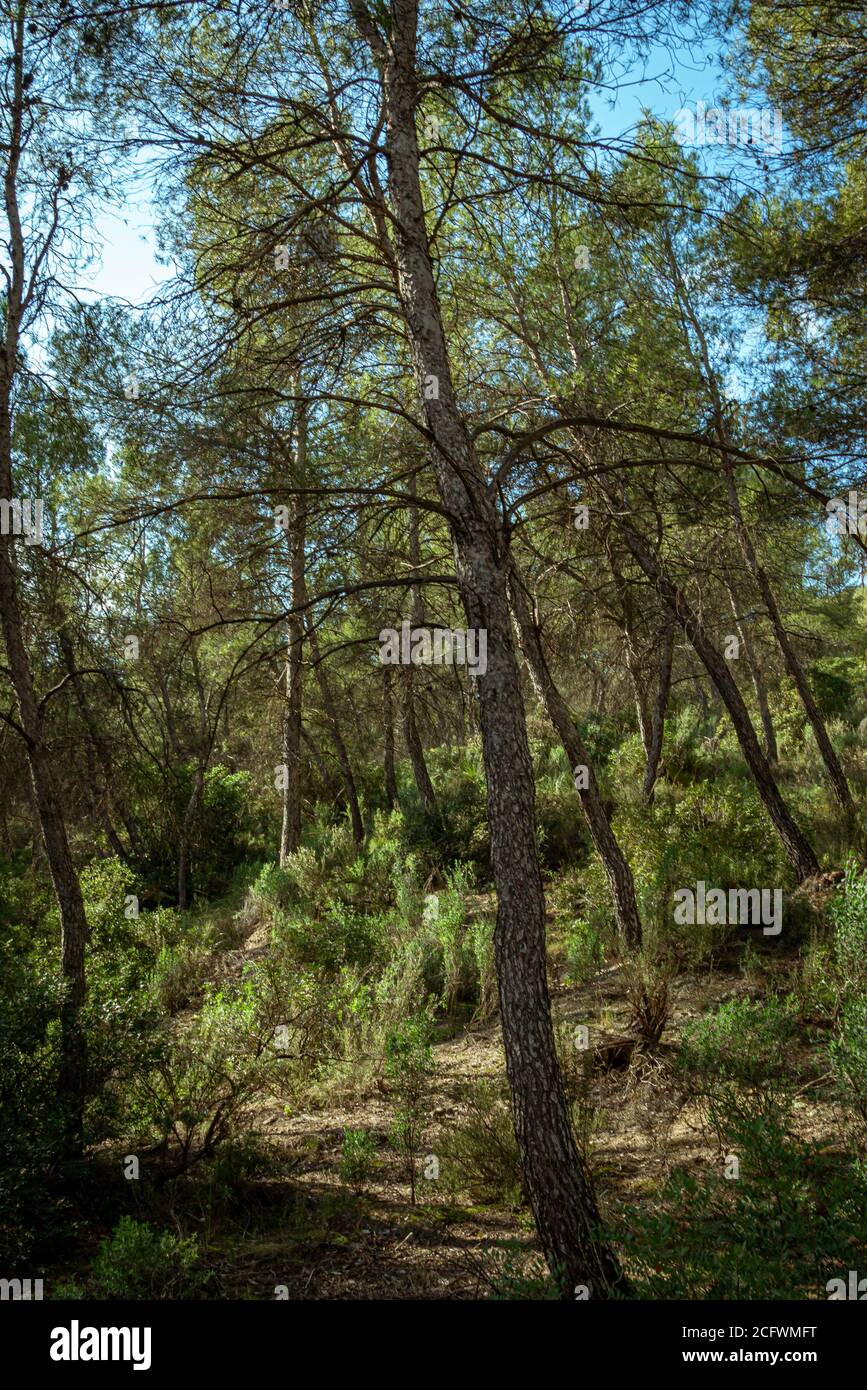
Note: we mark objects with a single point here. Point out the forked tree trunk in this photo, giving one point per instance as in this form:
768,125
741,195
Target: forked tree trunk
563,1204
617,870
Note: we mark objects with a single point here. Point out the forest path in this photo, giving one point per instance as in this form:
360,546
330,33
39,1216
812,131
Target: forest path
338,1244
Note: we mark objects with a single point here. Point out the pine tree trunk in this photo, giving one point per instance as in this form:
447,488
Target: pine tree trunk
388,739
292,723
411,735
660,706
563,1204
49,804
757,679
798,850
617,870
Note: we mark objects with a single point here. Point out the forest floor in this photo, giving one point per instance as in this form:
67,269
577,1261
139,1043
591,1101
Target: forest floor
327,1242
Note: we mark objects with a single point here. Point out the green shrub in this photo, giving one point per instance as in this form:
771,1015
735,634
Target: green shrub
482,929
849,1054
585,953
847,912
737,1062
137,1262
779,1223
357,1158
793,1219
480,1151
409,1065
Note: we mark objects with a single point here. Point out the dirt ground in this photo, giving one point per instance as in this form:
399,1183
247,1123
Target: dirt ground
335,1244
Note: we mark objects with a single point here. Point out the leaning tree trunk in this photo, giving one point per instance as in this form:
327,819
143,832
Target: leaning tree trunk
798,850
836,776
604,840
563,1204
757,679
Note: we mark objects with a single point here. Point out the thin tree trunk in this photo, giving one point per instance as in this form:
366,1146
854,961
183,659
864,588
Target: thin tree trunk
49,804
836,776
562,1200
290,832
633,657
412,738
798,850
660,707
617,870
202,759
757,679
388,739
110,794
335,734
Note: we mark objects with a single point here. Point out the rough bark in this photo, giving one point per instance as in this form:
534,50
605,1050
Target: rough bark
563,1204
